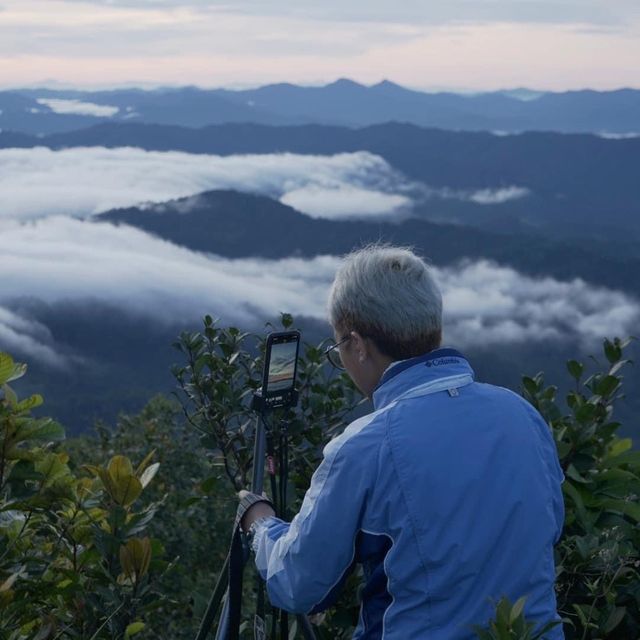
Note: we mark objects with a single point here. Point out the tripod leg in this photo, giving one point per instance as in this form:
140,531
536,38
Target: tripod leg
214,601
223,627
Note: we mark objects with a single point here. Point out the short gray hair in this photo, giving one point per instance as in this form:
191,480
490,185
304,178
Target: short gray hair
388,294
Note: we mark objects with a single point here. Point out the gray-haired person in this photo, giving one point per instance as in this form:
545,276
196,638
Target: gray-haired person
448,493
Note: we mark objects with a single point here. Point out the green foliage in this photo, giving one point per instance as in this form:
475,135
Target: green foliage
195,508
72,562
80,553
510,624
598,557
597,560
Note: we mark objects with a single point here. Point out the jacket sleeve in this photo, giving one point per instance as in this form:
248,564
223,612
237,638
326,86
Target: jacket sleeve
303,561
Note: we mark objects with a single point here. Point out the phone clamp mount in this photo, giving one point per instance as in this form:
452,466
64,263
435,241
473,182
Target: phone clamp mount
263,404
228,589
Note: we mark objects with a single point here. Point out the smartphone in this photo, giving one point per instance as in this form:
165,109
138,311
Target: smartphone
280,369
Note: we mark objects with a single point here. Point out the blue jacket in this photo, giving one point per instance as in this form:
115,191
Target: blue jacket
448,494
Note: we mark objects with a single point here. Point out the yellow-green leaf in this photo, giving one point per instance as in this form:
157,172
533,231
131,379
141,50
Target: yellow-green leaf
30,403
135,557
125,490
6,367
620,446
133,628
120,466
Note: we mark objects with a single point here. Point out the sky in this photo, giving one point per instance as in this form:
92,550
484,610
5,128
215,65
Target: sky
432,45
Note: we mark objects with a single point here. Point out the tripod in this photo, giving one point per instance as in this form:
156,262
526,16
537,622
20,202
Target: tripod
229,581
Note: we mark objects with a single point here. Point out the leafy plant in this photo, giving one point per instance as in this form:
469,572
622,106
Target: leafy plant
510,624
72,562
598,557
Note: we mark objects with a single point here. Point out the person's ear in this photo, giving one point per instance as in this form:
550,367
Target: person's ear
360,346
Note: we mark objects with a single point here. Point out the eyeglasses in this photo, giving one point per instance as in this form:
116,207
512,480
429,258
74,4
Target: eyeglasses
333,353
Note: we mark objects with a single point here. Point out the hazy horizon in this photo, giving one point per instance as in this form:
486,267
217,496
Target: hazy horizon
54,85
456,45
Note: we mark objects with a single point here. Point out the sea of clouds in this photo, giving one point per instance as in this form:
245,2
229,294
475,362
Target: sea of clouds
58,259
81,182
39,182
51,250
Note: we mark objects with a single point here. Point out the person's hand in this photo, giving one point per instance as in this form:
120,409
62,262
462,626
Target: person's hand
254,512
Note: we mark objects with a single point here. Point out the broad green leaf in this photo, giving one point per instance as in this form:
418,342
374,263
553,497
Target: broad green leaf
126,489
573,473
612,351
52,468
607,385
574,494
120,466
632,509
615,618
620,446
575,369
45,430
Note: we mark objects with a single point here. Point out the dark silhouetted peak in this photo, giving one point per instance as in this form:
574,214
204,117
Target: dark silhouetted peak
386,86
344,83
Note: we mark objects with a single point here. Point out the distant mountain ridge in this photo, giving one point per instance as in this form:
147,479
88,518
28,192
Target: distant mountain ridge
344,102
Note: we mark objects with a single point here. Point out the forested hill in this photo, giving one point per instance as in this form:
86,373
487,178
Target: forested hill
235,225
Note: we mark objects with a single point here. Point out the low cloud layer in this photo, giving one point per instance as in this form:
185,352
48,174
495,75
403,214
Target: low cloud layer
36,183
27,337
60,259
485,197
344,201
77,107
498,196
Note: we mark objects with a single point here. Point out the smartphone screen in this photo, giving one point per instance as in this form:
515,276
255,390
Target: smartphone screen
282,357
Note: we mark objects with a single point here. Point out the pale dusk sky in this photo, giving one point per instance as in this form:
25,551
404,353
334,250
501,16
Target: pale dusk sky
425,44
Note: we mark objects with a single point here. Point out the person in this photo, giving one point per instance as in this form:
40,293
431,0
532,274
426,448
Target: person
448,494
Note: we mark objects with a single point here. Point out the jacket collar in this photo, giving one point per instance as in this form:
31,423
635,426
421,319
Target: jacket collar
434,367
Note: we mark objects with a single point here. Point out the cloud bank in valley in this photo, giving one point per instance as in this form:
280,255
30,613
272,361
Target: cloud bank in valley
78,107
61,258
39,182
27,337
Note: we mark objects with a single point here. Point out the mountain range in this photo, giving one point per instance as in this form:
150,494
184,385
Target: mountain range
344,102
